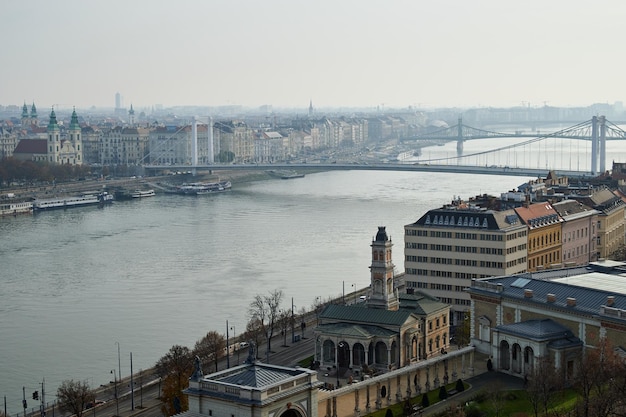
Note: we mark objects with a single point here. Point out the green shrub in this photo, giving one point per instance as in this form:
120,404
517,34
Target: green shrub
460,387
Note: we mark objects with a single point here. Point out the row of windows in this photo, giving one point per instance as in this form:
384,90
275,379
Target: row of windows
545,260
438,323
512,236
579,233
471,236
489,264
496,238
518,261
549,239
491,251
572,253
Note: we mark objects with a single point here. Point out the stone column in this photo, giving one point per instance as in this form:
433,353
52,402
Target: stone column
436,381
378,401
357,411
408,385
471,364
417,382
329,407
398,388
368,408
334,406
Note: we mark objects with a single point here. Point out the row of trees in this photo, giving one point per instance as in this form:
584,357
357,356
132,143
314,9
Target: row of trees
14,171
266,318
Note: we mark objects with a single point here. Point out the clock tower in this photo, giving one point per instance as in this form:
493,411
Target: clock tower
383,293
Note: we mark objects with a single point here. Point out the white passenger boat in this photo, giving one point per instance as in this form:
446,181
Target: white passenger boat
201,188
14,208
143,193
73,201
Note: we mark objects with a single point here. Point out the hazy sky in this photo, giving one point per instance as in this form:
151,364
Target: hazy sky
335,52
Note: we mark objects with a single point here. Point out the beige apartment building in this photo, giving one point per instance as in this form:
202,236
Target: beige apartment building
448,247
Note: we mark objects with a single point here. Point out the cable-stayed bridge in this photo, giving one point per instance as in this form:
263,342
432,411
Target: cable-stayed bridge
514,154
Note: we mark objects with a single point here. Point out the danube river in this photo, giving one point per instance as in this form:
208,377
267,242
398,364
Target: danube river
146,275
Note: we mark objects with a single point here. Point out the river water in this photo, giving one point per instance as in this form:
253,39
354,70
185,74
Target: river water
146,275
165,270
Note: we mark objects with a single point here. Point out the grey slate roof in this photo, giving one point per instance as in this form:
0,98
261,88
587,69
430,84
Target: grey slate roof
588,300
540,330
255,375
470,218
365,315
356,330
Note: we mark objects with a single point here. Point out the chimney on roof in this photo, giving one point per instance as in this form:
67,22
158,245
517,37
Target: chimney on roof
551,298
571,302
528,293
610,300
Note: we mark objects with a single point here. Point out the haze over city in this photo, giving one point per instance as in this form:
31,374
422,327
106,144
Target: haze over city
336,53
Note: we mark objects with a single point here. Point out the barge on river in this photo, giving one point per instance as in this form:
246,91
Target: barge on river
202,188
14,208
101,199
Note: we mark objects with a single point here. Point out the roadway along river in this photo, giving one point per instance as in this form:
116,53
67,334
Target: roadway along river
165,270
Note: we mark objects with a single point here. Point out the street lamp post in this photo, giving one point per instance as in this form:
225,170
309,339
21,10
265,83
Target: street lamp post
235,338
293,320
117,400
227,348
119,362
354,286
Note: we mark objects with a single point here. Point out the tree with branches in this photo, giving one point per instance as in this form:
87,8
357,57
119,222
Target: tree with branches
175,367
210,347
596,380
283,323
544,380
254,332
265,310
73,396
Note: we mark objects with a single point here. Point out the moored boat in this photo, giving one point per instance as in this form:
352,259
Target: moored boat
73,201
201,188
143,193
14,208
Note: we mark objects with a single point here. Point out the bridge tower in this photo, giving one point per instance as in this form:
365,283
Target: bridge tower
598,144
459,138
194,145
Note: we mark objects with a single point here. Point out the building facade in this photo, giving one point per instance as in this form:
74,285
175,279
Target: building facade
578,233
390,330
448,247
519,320
544,235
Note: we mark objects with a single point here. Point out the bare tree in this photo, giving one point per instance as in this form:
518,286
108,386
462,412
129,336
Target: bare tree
254,332
74,395
265,310
210,347
544,381
596,378
283,322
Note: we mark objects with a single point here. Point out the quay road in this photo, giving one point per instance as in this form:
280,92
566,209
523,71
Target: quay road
146,398
362,166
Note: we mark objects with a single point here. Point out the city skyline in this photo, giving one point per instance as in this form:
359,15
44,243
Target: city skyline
338,54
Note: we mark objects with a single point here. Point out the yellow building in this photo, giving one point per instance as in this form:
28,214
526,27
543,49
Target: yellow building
544,235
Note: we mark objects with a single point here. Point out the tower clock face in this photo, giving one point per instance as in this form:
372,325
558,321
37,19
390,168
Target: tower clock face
378,275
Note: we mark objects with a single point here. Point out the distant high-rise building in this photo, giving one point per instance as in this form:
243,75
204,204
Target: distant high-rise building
118,101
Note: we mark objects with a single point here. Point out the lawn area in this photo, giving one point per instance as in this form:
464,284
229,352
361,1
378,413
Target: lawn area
433,397
513,403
